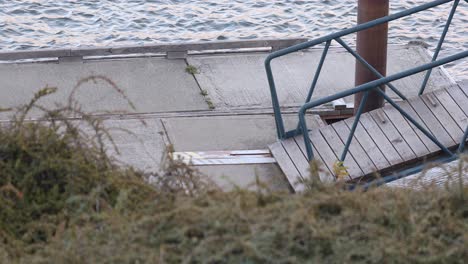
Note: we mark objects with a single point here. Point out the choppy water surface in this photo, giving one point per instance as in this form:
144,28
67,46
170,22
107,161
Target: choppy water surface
32,24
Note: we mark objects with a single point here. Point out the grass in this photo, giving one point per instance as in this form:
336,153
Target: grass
210,103
208,100
194,70
204,92
64,200
191,69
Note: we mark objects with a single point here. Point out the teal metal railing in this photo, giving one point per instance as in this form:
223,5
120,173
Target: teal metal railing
373,85
366,88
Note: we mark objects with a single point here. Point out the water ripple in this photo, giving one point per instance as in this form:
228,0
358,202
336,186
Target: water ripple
29,24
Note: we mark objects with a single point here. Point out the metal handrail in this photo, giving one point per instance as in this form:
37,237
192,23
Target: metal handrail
364,88
370,86
461,147
281,133
439,45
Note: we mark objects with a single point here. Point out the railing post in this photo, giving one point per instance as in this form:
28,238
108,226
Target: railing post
372,46
461,147
439,44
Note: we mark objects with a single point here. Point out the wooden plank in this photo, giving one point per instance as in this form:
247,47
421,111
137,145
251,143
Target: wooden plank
431,122
355,148
287,166
368,144
158,48
464,87
382,129
380,139
451,106
317,119
406,131
337,146
297,157
392,133
442,116
326,152
325,173
459,97
431,146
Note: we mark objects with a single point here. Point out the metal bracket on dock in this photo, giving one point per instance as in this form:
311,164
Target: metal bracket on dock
171,55
339,104
69,59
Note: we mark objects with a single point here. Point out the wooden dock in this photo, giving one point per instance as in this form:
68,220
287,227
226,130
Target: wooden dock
384,139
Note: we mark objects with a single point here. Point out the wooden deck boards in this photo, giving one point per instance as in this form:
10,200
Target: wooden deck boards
291,157
333,140
368,145
401,136
377,135
407,132
384,139
362,159
432,124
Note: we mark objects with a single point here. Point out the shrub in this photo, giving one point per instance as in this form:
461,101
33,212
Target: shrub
63,199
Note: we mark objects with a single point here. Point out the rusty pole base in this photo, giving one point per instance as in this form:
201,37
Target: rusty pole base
372,46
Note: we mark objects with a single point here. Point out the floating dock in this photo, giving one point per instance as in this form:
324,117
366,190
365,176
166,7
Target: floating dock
221,110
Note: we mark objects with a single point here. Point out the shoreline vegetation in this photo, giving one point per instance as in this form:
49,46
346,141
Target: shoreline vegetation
63,199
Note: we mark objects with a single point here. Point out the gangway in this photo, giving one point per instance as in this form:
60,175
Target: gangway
384,139
398,136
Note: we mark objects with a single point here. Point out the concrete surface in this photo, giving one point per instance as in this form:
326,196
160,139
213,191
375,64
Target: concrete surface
141,143
171,103
152,84
229,177
240,81
156,84
248,132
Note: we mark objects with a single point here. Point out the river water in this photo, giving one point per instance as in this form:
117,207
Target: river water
33,24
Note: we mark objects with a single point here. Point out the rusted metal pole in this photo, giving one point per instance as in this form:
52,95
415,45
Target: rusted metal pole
372,46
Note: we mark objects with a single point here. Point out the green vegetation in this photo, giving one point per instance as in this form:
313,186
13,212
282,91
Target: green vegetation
191,69
210,103
208,100
194,70
63,200
204,92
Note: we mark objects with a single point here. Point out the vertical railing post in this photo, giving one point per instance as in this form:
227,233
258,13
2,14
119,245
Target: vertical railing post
354,126
305,133
439,45
372,46
461,148
318,71
274,98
